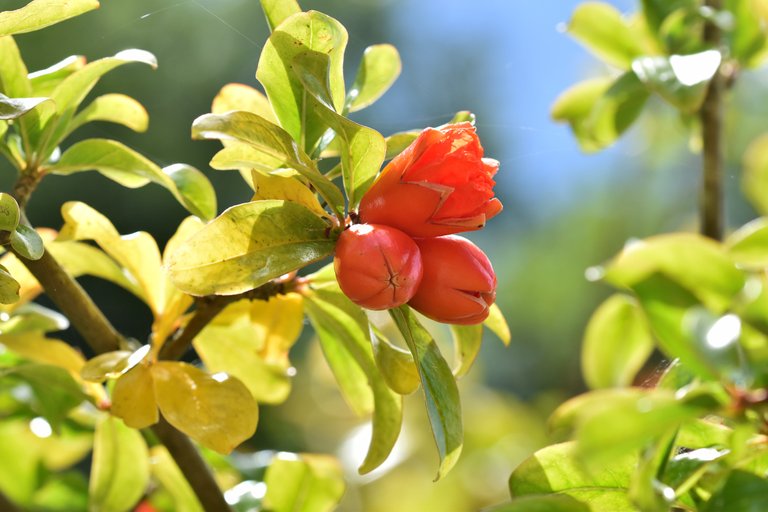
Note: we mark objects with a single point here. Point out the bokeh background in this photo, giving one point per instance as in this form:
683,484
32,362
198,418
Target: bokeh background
506,61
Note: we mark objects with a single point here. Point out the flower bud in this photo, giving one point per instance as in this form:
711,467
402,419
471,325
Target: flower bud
458,285
377,267
439,185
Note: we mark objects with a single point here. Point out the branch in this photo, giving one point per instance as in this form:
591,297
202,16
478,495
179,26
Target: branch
211,305
7,505
711,200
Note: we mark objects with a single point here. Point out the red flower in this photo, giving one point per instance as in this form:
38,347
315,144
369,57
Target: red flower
439,185
377,267
458,285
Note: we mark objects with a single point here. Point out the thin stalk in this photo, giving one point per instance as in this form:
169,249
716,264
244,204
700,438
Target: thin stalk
710,115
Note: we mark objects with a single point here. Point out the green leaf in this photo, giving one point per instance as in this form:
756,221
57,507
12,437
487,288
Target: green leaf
378,70
9,287
274,149
277,11
120,467
27,243
131,169
547,503
747,38
656,11
44,81
755,177
600,110
440,391
9,212
748,245
172,480
467,340
497,324
35,347
682,80
217,411
113,108
558,469
193,190
32,317
243,97
616,344
742,492
11,108
13,72
696,263
38,14
602,29
303,483
398,142
248,245
362,148
395,364
338,321
296,110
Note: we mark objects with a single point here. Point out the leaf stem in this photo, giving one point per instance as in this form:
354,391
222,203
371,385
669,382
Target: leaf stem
710,114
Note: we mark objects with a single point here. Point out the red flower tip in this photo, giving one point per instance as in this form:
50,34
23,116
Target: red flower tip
441,184
377,267
458,285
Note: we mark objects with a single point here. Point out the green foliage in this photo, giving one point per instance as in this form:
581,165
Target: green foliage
38,14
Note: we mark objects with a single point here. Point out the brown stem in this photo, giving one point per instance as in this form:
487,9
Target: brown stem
711,200
192,465
211,305
7,505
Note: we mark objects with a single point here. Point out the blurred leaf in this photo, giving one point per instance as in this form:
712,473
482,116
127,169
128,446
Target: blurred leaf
600,110
11,108
697,263
62,492
398,142
362,148
440,391
703,433
616,345
272,186
277,11
120,467
27,243
248,245
32,317
747,37
558,469
131,169
134,397
467,340
44,81
463,116
13,72
547,503
378,70
273,149
217,411
748,245
55,391
170,477
742,492
104,366
680,33
682,80
303,483
602,29
9,212
113,108
755,177
193,190
38,14
338,321
497,324
9,287
243,97
656,11
301,33
395,364
35,347
137,253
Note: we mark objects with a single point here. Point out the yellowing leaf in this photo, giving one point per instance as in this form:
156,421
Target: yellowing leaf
120,468
104,366
497,324
216,411
278,322
272,186
242,97
36,347
133,397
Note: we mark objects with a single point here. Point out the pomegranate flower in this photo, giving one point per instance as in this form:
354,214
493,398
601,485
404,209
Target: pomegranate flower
458,285
377,267
439,185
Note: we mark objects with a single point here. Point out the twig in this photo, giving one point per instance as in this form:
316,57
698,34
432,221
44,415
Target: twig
7,505
192,465
711,201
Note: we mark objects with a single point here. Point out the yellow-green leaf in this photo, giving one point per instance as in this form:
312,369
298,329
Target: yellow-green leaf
217,411
602,29
9,212
277,11
172,480
378,70
242,97
38,14
272,186
497,324
303,483
248,245
395,364
134,397
120,467
36,347
113,108
104,366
